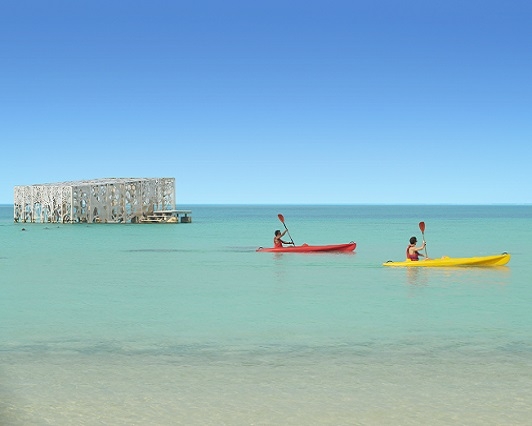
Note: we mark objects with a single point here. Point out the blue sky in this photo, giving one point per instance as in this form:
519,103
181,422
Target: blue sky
342,102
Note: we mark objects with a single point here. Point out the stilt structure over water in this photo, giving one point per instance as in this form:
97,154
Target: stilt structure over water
113,200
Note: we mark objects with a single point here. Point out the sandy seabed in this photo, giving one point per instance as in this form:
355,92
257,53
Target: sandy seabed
261,390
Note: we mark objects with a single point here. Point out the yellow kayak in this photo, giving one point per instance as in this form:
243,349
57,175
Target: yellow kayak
496,260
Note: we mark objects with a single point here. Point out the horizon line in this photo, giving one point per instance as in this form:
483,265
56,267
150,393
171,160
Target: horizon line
337,204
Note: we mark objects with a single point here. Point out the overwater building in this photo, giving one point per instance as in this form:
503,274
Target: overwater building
112,200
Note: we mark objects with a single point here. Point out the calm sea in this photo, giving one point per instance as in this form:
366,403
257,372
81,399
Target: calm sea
186,324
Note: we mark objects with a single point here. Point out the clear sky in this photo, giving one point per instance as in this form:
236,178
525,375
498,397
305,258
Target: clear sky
314,102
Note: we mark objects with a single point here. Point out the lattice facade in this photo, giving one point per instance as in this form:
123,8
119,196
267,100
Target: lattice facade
114,200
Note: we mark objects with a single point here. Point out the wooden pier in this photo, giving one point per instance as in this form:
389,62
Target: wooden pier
168,216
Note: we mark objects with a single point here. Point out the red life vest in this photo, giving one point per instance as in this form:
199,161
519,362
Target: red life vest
410,256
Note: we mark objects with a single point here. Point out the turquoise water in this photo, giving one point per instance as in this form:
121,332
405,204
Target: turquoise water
187,324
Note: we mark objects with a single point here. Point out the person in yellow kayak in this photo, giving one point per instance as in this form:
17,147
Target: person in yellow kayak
412,252
277,241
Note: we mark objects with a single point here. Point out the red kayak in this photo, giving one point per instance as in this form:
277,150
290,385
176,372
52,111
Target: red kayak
305,248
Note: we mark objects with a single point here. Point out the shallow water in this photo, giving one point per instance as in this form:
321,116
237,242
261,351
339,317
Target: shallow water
187,324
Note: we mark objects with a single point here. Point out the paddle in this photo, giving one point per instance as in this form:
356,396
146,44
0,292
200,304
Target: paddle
422,229
281,218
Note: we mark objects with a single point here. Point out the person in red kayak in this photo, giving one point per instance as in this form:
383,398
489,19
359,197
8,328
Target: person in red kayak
277,242
412,252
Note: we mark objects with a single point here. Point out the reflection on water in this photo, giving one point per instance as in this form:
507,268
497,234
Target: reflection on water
416,276
467,275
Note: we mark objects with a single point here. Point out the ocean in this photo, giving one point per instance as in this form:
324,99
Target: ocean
186,324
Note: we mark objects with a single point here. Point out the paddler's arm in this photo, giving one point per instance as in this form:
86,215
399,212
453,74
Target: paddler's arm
285,242
421,248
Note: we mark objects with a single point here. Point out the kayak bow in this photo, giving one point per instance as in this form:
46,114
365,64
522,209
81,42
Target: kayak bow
495,260
305,248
